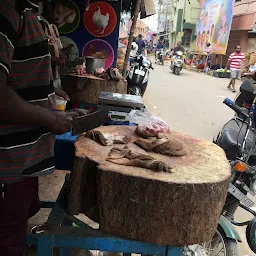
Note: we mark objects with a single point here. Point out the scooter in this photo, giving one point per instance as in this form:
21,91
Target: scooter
138,75
177,62
237,139
160,56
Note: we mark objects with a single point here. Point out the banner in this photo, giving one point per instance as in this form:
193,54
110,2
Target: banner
214,25
90,32
202,2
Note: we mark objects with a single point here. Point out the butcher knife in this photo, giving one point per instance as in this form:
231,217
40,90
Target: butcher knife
88,122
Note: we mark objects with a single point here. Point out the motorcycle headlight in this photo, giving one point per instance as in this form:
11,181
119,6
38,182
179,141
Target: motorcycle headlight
146,63
253,184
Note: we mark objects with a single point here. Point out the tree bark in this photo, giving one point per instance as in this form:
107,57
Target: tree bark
129,47
179,208
87,88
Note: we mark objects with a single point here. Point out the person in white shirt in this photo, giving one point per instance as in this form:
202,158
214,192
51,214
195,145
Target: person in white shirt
134,49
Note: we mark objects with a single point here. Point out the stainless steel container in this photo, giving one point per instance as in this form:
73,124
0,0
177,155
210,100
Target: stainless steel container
93,63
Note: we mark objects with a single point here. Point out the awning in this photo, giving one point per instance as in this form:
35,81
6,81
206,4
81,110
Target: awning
147,7
243,22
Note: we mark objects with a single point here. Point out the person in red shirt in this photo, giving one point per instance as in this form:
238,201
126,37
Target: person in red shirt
234,63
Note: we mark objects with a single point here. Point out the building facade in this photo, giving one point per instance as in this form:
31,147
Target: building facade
242,29
141,28
185,14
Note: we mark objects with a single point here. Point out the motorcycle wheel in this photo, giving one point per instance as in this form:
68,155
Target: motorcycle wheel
134,90
177,71
219,246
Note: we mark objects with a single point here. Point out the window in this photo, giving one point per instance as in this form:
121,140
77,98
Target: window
186,39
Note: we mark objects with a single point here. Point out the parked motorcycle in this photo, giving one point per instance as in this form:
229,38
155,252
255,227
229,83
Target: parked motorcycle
138,75
237,138
247,94
177,62
160,56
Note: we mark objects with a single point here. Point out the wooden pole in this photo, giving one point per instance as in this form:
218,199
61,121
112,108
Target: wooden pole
129,47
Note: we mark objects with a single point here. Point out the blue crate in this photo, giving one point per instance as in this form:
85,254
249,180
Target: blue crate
64,151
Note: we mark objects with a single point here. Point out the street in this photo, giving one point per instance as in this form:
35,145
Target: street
192,104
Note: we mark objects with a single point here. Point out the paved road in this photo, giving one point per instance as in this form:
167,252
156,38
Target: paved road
191,103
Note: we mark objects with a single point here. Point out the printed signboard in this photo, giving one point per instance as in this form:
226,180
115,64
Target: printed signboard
90,32
214,25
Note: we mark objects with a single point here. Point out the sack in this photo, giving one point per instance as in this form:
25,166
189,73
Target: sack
252,60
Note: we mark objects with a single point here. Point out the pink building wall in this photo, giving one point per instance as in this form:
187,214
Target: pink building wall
244,12
243,20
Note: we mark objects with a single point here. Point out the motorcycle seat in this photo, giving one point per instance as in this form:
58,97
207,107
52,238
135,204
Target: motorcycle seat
231,137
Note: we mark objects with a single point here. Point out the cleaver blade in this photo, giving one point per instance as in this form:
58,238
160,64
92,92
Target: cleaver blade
88,122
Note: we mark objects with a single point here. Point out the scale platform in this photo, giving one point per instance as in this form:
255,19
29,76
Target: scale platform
121,100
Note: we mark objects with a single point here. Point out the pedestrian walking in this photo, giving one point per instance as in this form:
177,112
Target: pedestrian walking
141,44
234,63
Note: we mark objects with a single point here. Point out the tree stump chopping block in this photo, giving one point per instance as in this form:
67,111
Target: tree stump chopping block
87,88
179,208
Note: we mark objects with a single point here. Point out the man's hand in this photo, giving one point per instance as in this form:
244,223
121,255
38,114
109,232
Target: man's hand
79,111
226,69
59,92
62,122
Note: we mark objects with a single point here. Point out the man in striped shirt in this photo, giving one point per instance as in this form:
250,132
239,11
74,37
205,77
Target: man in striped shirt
234,62
28,120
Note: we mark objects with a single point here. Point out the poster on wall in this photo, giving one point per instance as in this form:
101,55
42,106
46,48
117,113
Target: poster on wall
89,32
202,2
214,25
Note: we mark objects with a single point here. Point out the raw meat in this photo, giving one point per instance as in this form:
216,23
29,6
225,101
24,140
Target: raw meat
108,139
152,129
124,156
164,144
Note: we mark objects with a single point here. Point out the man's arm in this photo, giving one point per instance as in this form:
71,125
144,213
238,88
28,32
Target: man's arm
63,56
228,63
13,109
55,60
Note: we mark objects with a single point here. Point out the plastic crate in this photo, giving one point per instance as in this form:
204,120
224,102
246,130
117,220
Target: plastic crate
64,151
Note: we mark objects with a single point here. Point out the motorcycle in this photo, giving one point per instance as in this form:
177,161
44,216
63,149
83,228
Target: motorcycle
138,75
237,139
246,96
177,62
160,56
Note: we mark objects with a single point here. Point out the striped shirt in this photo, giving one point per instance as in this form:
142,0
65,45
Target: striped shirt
235,60
24,55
